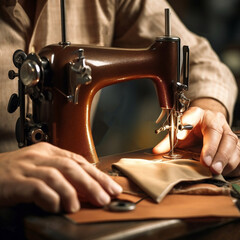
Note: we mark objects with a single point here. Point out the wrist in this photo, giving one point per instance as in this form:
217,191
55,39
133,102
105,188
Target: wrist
210,104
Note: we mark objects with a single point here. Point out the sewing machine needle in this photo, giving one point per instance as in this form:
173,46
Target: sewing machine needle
172,136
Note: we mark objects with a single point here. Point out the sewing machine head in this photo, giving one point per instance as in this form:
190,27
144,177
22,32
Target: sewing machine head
62,79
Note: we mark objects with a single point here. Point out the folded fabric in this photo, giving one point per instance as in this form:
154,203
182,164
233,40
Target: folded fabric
157,178
189,188
201,189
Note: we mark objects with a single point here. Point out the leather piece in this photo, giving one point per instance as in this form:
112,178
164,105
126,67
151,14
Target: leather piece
172,206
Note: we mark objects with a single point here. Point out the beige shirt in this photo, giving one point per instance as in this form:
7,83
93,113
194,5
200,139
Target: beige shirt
118,23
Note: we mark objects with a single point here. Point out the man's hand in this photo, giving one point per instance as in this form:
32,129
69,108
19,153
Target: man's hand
52,178
220,146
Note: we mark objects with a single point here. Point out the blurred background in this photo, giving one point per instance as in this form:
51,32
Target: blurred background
131,108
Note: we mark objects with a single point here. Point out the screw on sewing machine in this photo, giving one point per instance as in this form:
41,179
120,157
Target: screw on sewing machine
18,100
185,127
13,103
12,74
79,74
18,57
30,74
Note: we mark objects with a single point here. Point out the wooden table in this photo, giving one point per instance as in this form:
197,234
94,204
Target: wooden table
38,225
58,228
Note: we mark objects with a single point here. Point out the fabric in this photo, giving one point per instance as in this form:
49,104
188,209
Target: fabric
200,189
129,186
190,188
123,23
157,177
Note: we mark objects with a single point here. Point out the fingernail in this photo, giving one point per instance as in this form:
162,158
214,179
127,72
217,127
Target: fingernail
103,198
208,160
218,167
116,189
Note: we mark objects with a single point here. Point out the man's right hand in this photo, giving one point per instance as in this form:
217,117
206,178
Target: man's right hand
53,179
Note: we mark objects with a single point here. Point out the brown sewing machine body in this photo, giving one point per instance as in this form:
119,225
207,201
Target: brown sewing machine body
69,123
62,79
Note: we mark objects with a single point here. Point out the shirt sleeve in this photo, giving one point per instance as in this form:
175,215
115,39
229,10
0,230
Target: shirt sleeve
137,24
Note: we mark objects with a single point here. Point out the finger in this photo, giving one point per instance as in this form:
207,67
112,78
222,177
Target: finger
163,146
105,181
226,149
191,117
27,190
235,172
233,163
188,138
66,163
109,185
56,181
85,185
212,131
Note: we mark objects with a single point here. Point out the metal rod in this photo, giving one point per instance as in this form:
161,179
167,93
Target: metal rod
63,26
167,22
172,136
21,93
172,133
185,66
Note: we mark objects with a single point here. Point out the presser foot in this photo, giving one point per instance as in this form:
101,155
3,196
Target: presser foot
171,155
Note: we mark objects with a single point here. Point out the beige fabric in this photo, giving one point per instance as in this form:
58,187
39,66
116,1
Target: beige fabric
129,186
200,189
190,188
157,178
123,23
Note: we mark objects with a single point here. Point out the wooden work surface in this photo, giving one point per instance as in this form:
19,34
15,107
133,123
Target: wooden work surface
39,225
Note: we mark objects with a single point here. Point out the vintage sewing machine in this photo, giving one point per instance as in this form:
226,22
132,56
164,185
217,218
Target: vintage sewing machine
63,78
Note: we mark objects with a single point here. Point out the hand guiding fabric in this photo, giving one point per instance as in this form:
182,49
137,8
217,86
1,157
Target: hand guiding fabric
220,146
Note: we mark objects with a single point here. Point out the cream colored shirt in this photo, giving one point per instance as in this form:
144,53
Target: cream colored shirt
118,23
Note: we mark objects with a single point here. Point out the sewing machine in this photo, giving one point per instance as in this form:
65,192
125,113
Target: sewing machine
63,78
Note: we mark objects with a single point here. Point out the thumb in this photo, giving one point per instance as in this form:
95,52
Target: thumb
163,146
192,116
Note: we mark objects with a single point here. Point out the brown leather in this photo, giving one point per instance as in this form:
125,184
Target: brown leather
172,206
